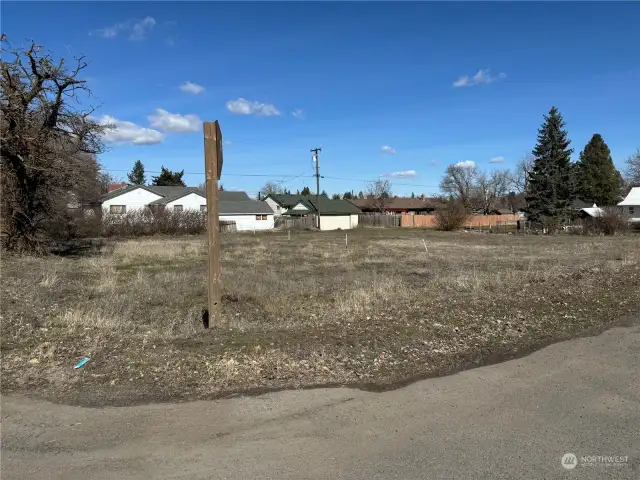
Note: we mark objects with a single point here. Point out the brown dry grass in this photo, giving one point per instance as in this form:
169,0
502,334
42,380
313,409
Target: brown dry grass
300,312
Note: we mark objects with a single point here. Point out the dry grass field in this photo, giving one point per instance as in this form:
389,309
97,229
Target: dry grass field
301,312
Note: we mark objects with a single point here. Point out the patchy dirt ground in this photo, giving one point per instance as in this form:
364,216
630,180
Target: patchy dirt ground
301,312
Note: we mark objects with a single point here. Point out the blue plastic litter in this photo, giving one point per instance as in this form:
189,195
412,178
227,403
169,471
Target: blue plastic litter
81,363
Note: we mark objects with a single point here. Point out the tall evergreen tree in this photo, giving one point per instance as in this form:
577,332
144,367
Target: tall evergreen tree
550,189
136,175
305,191
167,178
597,179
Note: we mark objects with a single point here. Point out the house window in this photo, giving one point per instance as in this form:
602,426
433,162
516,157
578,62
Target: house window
117,209
203,208
631,210
177,208
261,217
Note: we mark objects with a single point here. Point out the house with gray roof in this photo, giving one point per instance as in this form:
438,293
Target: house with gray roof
334,214
247,214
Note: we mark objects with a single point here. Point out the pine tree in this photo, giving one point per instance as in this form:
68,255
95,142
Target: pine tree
167,178
597,179
413,195
305,191
136,175
550,191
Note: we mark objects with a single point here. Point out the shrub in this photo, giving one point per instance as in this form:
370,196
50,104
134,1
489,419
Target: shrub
451,215
139,223
612,221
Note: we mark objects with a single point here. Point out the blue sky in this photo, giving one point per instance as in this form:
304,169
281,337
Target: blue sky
434,83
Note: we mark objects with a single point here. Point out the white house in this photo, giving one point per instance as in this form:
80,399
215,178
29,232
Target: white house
631,205
334,214
232,206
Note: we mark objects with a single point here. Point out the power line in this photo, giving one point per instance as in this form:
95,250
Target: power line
392,183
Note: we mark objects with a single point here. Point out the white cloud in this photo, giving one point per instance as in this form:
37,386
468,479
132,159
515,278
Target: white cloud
174,122
140,29
192,88
405,174
433,162
136,29
466,164
242,106
388,149
497,160
297,113
128,132
483,76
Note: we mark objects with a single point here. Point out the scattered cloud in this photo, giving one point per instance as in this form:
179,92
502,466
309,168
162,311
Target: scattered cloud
135,29
226,142
128,132
405,174
466,164
170,41
192,88
388,149
174,122
299,114
433,162
497,160
140,29
242,106
482,77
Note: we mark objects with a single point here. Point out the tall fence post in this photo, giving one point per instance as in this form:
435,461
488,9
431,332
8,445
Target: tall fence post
213,169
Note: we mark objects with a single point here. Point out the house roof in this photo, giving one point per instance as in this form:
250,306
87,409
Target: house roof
579,204
172,194
633,198
593,211
169,194
288,200
327,207
244,207
502,211
231,196
400,203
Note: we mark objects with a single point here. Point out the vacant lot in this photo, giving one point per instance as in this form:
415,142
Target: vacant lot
300,312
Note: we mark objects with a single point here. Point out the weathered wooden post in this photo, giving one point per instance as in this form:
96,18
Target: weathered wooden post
213,169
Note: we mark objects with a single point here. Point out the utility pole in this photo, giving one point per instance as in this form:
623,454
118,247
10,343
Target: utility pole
315,152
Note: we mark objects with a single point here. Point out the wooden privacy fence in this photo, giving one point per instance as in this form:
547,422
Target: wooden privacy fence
378,220
472,222
295,223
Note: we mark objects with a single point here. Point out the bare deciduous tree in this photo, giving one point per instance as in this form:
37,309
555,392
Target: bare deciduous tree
459,181
489,189
271,188
379,193
632,172
48,146
520,175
